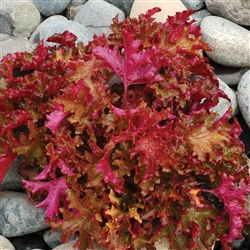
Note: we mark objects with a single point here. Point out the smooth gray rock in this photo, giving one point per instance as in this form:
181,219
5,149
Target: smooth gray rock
124,5
194,4
224,104
77,2
235,11
200,14
10,44
230,75
5,244
19,216
97,16
12,181
52,238
243,96
58,24
51,7
18,18
30,241
229,41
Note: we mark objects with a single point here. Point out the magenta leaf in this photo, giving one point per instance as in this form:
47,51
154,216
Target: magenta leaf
56,117
234,199
56,194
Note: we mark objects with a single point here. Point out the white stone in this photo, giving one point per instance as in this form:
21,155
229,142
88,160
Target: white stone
58,24
237,11
243,96
15,44
18,18
5,244
97,16
168,8
224,104
194,4
229,42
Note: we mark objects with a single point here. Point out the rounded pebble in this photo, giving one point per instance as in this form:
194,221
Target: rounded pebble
235,11
51,7
98,17
5,244
194,4
58,24
19,216
243,96
229,42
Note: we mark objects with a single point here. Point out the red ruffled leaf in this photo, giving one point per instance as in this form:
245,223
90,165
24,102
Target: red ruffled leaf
233,197
56,117
55,192
66,39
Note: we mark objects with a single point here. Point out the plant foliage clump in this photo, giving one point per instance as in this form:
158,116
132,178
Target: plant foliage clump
118,141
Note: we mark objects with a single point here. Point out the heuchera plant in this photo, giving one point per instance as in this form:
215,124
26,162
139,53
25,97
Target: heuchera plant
118,141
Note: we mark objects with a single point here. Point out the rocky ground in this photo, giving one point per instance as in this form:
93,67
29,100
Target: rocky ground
225,26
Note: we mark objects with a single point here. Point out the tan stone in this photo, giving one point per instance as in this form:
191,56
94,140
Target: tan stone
168,8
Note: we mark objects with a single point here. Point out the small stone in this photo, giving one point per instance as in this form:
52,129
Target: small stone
11,44
5,244
230,75
58,24
52,238
229,42
51,7
77,2
124,5
243,96
71,11
235,11
168,8
12,181
97,16
30,241
194,4
19,18
19,216
224,104
200,14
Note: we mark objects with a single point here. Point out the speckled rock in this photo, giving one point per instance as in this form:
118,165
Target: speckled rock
77,2
5,244
229,41
58,24
11,44
168,8
53,238
18,18
12,181
19,216
97,16
235,11
230,75
51,7
200,14
243,96
194,4
124,5
224,104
